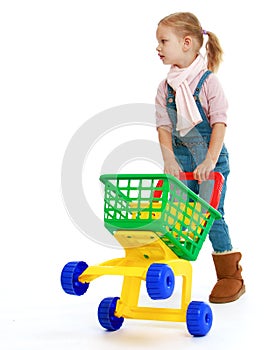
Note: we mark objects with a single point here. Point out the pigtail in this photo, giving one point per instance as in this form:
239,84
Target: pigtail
214,51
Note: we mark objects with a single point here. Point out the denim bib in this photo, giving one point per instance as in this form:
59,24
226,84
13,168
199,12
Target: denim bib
196,141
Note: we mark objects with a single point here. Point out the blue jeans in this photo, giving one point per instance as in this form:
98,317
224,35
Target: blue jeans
191,154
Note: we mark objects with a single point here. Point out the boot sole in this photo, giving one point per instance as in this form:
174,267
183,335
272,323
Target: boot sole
224,300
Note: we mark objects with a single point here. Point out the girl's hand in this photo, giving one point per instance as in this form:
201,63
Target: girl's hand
203,170
172,167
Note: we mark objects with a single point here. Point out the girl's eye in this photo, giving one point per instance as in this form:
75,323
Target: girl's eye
164,41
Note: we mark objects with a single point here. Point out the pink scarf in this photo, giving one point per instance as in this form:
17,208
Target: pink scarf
179,79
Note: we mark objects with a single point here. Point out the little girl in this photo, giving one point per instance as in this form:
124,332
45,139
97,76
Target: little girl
191,121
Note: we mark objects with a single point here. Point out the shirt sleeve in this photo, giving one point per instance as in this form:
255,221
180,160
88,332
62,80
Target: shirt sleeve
217,101
161,114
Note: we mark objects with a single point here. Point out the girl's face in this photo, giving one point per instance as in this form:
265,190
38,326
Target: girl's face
171,48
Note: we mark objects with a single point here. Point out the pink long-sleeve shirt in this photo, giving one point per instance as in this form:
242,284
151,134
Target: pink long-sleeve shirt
212,98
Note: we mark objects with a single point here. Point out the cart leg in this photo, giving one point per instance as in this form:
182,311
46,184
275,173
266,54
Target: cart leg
129,296
186,291
127,305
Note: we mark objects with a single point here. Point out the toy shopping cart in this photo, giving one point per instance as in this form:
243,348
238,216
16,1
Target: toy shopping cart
162,225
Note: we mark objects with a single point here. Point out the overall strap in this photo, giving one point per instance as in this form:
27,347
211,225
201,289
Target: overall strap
200,83
170,89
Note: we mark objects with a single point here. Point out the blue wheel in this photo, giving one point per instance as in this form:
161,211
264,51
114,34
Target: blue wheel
160,281
70,278
106,315
199,318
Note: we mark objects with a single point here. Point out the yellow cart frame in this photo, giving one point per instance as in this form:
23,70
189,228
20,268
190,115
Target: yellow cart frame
160,233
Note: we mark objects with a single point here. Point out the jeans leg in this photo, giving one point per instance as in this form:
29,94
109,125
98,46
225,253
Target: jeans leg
219,236
219,233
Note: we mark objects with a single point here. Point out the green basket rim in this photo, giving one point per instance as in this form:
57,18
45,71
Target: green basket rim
106,177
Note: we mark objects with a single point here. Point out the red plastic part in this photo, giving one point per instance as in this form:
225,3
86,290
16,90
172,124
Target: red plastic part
217,177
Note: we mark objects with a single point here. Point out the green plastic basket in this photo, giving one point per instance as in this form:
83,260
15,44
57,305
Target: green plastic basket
160,203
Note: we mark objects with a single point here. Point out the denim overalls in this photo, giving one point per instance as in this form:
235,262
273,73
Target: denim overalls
190,151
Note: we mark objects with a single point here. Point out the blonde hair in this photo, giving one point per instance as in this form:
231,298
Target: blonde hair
186,23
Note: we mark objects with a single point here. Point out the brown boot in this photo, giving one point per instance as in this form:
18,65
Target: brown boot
230,285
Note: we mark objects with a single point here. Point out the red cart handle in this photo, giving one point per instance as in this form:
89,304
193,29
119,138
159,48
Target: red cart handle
217,188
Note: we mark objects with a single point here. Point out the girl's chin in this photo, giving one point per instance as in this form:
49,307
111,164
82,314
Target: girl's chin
164,61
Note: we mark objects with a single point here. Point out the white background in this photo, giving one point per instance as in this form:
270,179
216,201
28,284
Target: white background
62,62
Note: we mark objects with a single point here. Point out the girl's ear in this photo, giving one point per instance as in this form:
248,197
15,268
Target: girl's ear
187,43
